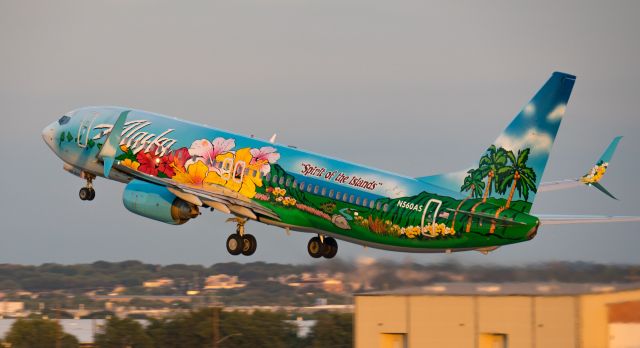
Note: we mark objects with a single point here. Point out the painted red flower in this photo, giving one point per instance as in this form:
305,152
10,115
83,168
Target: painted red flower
174,161
149,162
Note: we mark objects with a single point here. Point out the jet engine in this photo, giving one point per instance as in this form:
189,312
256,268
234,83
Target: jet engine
157,203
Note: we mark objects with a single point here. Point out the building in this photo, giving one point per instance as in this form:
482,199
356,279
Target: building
158,283
11,307
223,281
500,315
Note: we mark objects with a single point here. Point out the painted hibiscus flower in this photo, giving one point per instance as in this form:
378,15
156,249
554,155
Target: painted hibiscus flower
263,157
149,162
195,174
206,151
174,162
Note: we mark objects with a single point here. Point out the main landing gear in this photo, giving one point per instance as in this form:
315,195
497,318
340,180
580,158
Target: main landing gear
87,193
239,242
320,246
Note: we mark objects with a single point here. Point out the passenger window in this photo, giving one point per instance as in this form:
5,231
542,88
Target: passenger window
274,179
295,183
281,182
316,189
268,177
324,191
338,195
331,193
386,208
364,202
371,204
351,198
302,186
345,197
288,183
358,200
378,205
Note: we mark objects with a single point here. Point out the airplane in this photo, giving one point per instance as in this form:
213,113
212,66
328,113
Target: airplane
174,168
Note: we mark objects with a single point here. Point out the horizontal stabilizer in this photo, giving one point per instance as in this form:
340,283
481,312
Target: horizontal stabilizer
583,219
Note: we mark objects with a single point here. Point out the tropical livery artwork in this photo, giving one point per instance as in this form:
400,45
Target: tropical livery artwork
174,168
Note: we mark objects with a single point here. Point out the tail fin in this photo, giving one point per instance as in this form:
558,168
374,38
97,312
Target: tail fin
511,168
593,177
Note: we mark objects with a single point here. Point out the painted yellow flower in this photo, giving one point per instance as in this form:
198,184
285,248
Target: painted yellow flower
195,175
124,148
131,164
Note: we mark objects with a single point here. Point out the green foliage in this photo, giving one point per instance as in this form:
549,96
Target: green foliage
123,333
490,163
332,330
41,333
236,329
517,173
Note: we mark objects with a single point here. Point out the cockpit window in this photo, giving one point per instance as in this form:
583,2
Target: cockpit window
63,120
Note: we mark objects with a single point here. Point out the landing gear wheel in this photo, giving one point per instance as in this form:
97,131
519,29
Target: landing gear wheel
249,245
234,244
330,248
85,194
92,193
315,247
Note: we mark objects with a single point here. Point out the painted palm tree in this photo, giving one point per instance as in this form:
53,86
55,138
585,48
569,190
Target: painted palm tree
492,161
474,183
517,176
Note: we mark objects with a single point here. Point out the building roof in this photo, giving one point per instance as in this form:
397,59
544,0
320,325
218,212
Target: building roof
506,289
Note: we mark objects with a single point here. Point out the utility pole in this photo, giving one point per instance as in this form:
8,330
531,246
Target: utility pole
216,326
59,328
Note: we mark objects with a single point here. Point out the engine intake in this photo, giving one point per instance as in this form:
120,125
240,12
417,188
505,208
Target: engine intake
157,203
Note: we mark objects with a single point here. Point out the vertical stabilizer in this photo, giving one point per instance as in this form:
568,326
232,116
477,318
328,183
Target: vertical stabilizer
512,166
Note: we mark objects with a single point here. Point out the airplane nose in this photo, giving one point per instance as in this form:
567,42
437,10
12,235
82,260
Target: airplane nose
48,134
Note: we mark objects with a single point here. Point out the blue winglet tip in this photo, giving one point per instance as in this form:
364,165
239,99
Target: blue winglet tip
108,163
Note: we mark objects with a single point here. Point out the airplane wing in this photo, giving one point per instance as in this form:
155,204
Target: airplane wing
499,221
546,219
592,178
216,197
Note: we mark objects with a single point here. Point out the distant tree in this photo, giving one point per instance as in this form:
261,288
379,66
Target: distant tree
41,333
238,330
121,333
332,330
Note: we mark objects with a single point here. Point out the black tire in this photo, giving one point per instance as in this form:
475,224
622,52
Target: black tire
234,244
315,247
249,245
92,194
331,248
84,194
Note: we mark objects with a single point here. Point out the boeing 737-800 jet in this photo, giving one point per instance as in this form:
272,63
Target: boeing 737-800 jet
173,168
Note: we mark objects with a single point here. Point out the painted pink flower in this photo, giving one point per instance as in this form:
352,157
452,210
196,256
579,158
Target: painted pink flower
206,151
175,161
264,156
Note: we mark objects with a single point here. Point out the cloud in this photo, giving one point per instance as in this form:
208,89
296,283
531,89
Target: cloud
539,142
529,109
557,113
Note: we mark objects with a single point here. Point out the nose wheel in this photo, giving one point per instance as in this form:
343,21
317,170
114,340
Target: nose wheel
87,193
240,242
326,247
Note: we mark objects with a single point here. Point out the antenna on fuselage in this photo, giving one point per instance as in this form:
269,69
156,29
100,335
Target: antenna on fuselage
273,138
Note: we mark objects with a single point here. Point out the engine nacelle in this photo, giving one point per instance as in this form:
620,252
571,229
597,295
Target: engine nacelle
157,203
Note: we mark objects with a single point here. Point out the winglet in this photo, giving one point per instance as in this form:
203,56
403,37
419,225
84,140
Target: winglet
110,147
593,177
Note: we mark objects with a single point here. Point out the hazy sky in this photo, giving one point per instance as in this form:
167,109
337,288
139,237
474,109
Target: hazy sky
416,87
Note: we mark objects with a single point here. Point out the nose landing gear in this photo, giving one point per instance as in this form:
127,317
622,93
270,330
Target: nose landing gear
87,193
239,242
320,246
